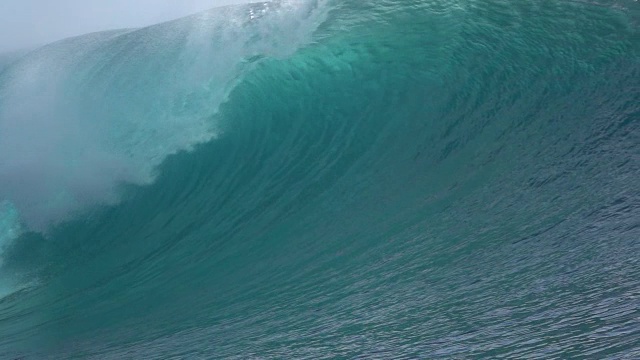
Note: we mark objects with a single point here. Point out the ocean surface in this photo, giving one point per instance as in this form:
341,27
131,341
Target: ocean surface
308,179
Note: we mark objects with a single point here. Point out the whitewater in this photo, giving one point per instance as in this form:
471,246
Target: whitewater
327,179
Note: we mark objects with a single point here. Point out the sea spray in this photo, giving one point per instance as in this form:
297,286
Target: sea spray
83,116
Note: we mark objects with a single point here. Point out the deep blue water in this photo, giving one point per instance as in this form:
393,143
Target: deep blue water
327,179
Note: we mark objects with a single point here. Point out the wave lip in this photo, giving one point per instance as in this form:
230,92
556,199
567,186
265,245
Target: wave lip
82,116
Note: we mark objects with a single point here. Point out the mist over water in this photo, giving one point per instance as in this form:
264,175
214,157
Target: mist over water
68,147
29,24
339,179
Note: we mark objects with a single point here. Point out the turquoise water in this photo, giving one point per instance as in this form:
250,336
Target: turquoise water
309,179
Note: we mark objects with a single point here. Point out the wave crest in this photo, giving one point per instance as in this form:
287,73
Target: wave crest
84,115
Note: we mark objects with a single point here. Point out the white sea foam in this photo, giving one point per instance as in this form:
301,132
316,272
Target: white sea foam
81,116
10,227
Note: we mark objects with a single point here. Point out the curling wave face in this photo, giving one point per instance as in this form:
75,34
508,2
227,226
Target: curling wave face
83,115
308,179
